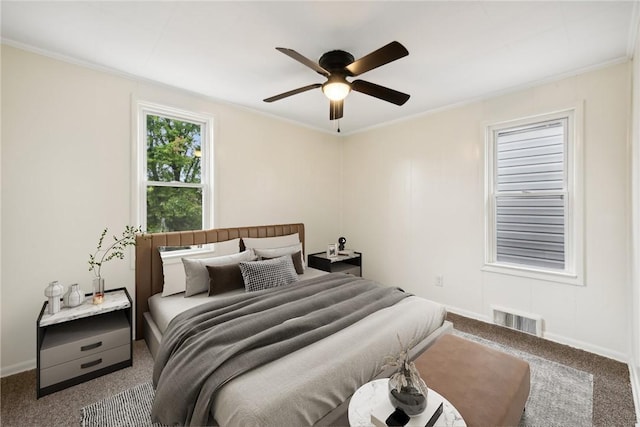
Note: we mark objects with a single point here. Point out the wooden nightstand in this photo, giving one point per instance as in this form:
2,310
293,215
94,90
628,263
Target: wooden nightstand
349,264
84,342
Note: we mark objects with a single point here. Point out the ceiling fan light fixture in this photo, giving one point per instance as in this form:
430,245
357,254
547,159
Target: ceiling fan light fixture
336,90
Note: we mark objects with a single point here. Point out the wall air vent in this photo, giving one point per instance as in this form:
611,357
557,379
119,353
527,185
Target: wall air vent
523,322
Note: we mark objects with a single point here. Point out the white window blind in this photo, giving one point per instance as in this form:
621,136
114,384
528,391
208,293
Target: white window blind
530,195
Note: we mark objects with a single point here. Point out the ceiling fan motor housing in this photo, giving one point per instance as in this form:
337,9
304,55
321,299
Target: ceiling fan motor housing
336,60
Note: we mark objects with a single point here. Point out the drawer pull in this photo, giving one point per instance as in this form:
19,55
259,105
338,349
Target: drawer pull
90,364
91,346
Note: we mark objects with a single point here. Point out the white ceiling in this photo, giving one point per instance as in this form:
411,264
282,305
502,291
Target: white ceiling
458,50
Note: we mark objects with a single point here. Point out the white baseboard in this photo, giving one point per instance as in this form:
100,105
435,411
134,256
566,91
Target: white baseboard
601,351
18,367
469,314
634,375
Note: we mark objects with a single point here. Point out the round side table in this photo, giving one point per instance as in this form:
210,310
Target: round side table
375,395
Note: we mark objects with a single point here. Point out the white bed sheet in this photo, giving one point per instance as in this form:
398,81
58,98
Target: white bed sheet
163,309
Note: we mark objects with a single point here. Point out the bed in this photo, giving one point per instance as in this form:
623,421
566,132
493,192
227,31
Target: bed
309,386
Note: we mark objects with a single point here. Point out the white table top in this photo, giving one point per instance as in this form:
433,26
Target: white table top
375,394
337,258
116,300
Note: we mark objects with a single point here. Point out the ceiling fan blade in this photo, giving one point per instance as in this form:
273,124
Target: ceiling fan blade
292,92
380,92
304,60
384,55
336,109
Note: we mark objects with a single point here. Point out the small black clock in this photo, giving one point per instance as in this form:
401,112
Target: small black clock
341,242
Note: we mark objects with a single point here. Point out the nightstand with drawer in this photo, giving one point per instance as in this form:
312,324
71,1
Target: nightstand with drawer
84,342
349,264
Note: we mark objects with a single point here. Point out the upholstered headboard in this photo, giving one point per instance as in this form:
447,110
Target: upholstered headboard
149,277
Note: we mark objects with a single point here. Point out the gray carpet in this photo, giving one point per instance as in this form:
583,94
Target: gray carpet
559,395
20,407
612,396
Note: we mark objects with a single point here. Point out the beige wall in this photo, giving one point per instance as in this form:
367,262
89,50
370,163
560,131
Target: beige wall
634,360
66,174
409,195
414,204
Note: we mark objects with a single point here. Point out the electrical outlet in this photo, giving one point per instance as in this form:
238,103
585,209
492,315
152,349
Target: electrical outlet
440,281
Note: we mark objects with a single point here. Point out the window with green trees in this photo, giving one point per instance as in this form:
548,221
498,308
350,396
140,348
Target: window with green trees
175,192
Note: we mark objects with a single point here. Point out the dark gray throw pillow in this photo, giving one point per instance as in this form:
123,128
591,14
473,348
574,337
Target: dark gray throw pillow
297,261
269,273
224,278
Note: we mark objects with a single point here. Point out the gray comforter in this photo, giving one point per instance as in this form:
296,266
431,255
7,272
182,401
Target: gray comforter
209,345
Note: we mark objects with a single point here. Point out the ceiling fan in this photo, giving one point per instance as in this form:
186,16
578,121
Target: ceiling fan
337,65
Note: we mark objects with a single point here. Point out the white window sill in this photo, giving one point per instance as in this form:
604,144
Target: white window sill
531,273
175,256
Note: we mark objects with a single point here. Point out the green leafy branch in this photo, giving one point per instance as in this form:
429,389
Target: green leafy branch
115,251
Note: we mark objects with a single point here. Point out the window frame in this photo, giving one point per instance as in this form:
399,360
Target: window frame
573,273
140,183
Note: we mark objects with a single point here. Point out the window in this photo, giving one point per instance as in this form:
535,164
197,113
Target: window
534,215
174,159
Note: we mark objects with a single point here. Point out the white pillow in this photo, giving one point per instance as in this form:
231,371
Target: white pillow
197,274
278,252
173,270
270,242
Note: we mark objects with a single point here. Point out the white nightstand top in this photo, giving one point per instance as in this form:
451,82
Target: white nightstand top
116,300
375,395
337,258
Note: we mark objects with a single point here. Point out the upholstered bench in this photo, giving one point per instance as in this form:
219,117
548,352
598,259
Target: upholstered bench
488,387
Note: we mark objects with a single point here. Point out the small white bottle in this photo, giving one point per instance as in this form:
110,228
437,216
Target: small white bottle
53,292
73,297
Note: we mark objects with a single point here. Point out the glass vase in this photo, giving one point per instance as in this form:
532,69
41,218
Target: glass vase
98,290
406,394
